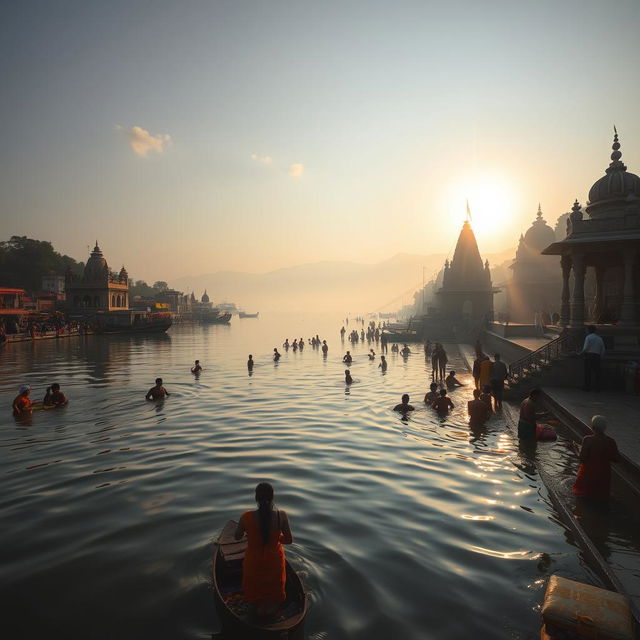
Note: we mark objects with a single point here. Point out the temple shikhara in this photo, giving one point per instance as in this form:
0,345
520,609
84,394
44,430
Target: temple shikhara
535,284
607,242
99,289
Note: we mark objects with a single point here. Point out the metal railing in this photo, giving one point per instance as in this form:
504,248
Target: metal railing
539,359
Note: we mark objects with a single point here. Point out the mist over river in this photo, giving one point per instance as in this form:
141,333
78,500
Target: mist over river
402,529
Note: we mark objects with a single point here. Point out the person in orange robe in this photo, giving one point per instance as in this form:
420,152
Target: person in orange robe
596,455
264,574
22,402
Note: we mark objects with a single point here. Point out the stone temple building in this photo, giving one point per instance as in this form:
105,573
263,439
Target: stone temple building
466,297
606,241
536,283
99,289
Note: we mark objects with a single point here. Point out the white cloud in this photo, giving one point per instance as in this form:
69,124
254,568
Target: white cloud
143,143
262,159
296,170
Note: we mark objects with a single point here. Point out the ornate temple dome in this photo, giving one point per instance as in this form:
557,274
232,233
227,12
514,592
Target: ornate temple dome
610,196
205,297
539,235
96,269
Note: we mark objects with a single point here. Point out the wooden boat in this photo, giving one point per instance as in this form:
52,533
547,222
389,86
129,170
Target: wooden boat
215,316
132,321
226,572
242,314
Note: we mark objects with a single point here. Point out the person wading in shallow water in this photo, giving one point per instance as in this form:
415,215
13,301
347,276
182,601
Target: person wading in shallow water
264,574
158,392
528,415
404,407
597,453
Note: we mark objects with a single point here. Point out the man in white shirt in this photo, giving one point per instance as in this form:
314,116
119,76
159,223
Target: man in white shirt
593,350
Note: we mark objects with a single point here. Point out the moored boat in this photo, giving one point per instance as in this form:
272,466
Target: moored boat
214,316
226,572
243,314
132,321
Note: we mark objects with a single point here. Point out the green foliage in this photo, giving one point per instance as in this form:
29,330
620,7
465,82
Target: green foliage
23,262
141,288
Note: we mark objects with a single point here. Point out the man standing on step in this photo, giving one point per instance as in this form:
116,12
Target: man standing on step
499,374
593,350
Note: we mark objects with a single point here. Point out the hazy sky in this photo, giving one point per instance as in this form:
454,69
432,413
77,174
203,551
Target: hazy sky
190,137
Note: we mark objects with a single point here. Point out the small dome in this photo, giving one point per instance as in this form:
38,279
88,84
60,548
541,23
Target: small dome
539,235
608,196
96,269
205,297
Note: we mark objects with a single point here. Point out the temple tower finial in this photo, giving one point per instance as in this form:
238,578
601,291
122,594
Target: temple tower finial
616,154
468,218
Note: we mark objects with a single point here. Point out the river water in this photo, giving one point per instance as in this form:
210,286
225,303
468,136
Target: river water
402,529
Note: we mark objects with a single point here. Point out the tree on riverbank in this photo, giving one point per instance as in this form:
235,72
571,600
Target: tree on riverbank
23,262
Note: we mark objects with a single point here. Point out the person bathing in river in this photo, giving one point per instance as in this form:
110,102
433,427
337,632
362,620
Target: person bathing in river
383,364
285,344
294,345
347,358
529,414
597,453
250,363
372,354
196,367
158,392
406,352
325,348
276,355
452,382
301,344
442,404
22,402
404,407
478,410
394,348
485,396
54,397
264,573
432,395
347,377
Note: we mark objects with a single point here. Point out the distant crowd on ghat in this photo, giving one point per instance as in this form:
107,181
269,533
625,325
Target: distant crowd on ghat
596,453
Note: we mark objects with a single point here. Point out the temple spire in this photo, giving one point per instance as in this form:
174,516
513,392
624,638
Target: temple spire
468,218
616,154
539,214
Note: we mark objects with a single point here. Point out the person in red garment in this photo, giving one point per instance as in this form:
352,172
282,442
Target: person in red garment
264,573
597,453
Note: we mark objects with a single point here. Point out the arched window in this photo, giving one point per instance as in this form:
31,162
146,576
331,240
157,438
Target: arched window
86,301
113,301
119,300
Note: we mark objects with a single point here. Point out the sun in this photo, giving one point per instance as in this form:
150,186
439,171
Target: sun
491,204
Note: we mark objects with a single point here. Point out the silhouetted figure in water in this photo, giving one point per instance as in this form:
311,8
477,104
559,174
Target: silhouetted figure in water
405,352
443,404
276,355
485,396
404,407
342,332
196,367
347,377
54,397
372,354
384,342
394,348
158,392
431,395
478,410
294,345
301,344
383,364
452,382
362,335
286,344
325,347
347,359
250,363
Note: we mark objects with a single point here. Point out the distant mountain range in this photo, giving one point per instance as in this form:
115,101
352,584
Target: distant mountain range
330,286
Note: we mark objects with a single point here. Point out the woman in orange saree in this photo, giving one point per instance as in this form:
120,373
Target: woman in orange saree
264,574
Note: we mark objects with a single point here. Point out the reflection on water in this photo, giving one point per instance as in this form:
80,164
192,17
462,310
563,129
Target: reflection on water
403,528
